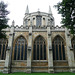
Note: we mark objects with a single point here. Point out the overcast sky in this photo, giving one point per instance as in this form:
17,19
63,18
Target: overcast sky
17,9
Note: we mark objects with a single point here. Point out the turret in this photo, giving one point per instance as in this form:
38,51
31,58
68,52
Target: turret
27,10
50,12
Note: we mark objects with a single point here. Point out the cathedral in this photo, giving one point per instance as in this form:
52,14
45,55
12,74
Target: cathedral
37,46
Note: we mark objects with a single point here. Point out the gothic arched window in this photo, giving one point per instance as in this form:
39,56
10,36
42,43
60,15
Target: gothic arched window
3,47
58,48
20,50
39,51
73,45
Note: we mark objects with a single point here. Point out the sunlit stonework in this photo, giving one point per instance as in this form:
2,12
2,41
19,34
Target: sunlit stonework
37,46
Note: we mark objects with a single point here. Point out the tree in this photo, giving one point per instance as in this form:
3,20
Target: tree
3,18
67,9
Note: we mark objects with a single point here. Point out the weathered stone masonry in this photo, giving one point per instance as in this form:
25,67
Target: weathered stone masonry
37,46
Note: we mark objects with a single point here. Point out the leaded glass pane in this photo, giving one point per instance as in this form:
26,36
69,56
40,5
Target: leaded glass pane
58,49
26,52
56,52
37,52
3,47
60,55
20,51
34,52
44,52
53,52
39,49
38,20
63,52
15,51
41,52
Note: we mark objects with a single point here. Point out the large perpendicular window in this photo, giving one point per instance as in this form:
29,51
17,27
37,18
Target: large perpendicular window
58,48
20,49
39,49
3,47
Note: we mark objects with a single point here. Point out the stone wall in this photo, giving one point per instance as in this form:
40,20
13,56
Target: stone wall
2,63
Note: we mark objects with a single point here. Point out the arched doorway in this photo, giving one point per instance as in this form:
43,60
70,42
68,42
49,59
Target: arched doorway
20,49
39,49
73,45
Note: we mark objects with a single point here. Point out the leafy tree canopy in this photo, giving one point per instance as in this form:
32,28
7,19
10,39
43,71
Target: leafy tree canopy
3,18
67,9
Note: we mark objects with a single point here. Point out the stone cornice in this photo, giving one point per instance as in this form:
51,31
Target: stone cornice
35,28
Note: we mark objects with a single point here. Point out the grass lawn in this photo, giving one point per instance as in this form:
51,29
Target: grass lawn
66,73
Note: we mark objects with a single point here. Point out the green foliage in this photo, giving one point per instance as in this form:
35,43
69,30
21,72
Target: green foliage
67,9
3,18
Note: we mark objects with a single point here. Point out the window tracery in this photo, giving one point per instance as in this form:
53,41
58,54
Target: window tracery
3,47
58,48
39,51
20,50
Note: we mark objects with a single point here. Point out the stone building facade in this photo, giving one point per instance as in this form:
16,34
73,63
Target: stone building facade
37,46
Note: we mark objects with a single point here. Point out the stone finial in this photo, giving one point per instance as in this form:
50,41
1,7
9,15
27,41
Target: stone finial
50,12
13,23
27,10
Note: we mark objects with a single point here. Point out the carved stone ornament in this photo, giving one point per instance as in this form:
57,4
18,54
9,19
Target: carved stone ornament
49,34
30,33
29,48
